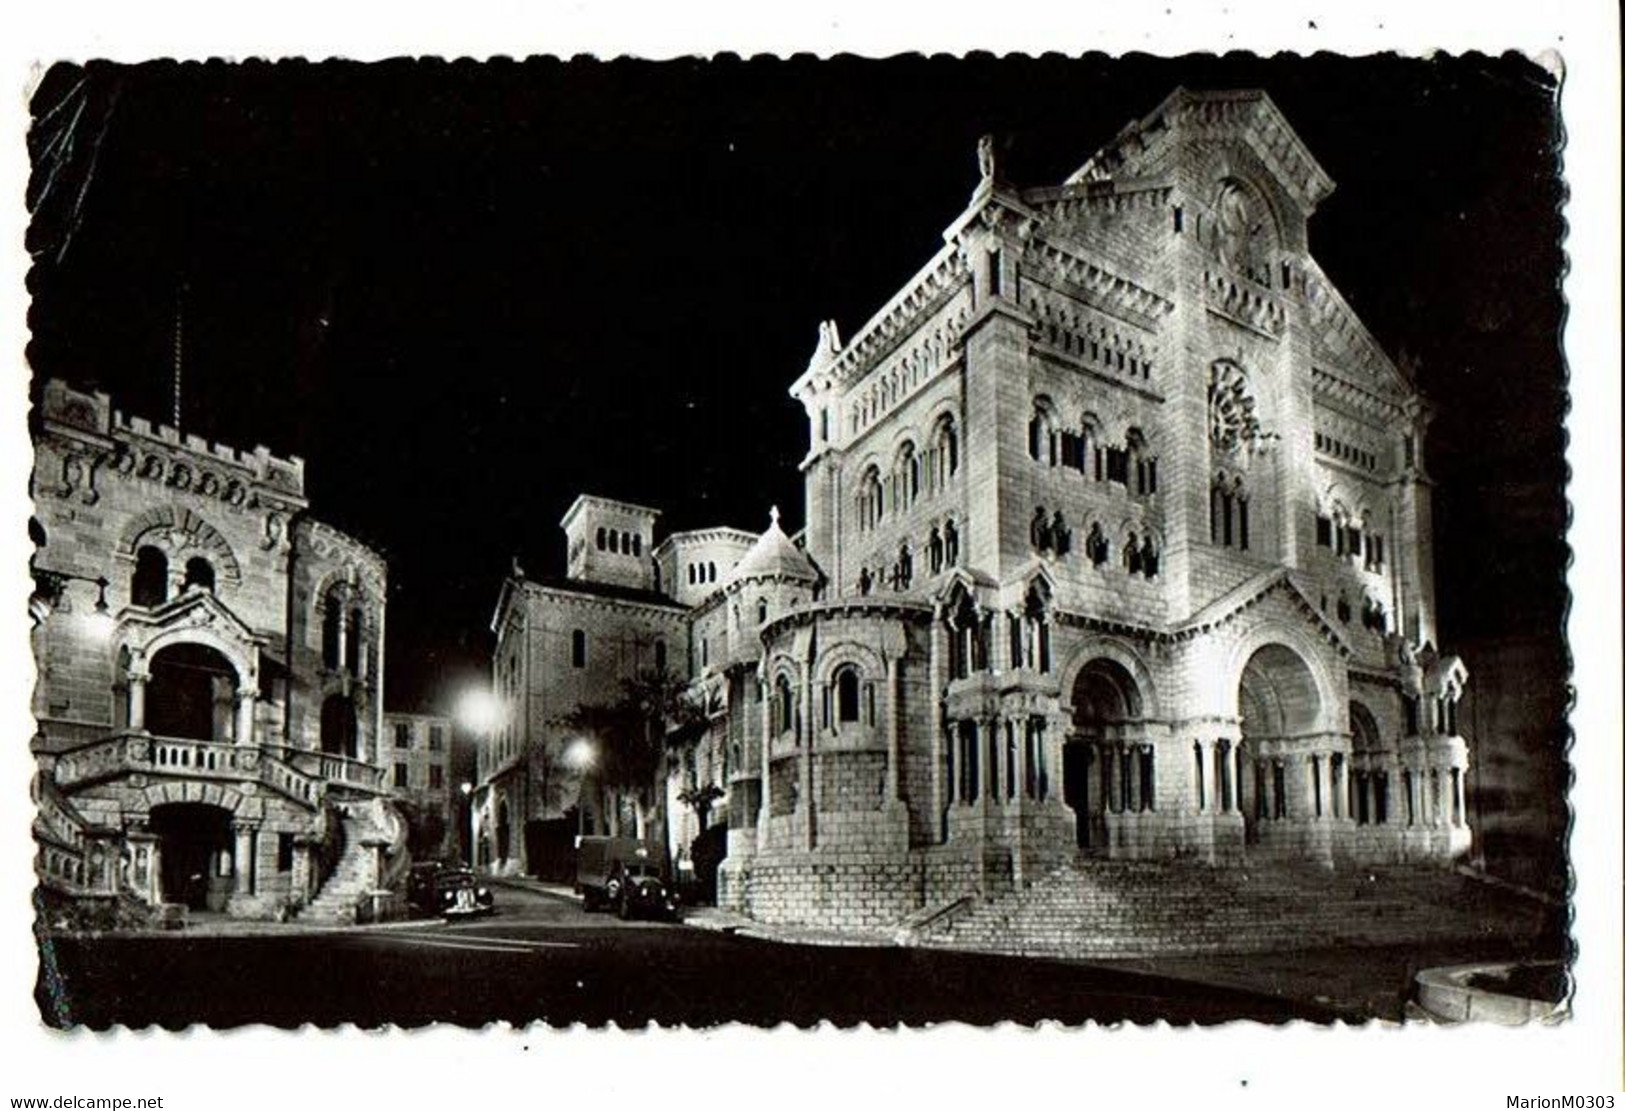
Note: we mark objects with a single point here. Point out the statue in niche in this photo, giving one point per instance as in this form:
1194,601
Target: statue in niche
1041,530
1060,534
1095,546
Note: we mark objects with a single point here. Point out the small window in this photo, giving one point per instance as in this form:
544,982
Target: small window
602,540
660,655
199,573
353,648
437,777
403,735
437,738
400,776
761,611
284,852
578,648
846,694
150,584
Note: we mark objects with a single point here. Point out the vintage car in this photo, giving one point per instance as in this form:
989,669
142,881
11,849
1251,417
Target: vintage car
640,891
448,890
624,874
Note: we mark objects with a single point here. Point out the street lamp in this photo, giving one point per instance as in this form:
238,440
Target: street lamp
580,755
50,587
478,711
466,789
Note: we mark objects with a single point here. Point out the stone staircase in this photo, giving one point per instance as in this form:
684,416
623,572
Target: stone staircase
352,877
1097,909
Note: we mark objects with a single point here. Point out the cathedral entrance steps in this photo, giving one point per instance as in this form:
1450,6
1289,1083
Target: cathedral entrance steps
1101,909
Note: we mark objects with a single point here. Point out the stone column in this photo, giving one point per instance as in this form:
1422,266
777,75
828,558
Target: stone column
1019,725
989,746
894,711
940,734
155,873
765,815
809,817
138,698
246,701
243,859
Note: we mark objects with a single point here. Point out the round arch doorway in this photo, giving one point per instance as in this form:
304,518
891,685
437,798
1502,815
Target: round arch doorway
1105,766
1279,702
195,864
191,694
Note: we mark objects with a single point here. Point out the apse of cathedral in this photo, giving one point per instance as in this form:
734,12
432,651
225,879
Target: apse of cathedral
1116,547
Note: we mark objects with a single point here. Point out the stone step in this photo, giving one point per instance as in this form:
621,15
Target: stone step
1093,908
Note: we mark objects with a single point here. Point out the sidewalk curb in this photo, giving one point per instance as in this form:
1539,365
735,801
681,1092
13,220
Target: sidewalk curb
254,929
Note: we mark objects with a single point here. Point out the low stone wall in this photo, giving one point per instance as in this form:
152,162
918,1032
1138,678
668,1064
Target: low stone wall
833,889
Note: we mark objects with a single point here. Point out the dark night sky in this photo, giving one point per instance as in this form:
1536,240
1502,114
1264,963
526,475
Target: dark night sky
465,293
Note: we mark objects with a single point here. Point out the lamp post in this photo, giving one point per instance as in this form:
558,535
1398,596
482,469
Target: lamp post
581,756
51,586
467,790
478,712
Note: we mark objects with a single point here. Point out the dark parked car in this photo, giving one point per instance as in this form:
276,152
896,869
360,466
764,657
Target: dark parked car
449,890
641,892
625,874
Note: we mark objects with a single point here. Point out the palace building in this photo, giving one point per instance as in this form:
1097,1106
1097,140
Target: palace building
210,674
1117,547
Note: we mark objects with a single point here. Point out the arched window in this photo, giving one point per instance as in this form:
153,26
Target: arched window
711,572
784,704
353,647
950,543
637,545
338,726
946,448
332,627
660,655
149,586
1142,465
199,573
761,611
601,540
847,689
614,541
906,477
1041,438
871,499
578,648
1227,513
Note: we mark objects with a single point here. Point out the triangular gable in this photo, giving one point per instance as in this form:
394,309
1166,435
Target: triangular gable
1340,334
195,607
1234,602
1245,114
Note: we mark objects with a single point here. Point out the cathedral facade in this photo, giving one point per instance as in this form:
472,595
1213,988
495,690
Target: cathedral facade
1117,545
209,678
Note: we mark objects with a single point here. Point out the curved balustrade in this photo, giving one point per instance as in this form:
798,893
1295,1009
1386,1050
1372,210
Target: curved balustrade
332,768
299,773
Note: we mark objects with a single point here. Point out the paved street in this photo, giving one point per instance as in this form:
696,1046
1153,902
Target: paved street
541,958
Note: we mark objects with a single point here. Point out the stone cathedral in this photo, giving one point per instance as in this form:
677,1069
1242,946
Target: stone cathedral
1116,546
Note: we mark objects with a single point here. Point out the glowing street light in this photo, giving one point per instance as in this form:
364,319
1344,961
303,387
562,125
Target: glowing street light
478,711
581,754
